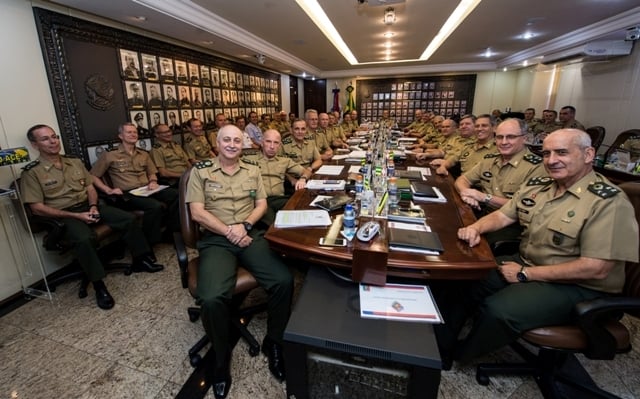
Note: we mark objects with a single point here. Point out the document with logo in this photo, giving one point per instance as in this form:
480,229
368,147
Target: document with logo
145,192
304,218
399,302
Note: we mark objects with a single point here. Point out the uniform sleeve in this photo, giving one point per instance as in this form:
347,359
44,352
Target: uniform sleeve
149,165
261,193
30,188
294,167
157,158
475,173
101,166
195,188
190,152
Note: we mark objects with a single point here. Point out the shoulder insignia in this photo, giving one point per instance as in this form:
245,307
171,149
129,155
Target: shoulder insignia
157,145
68,156
109,149
31,165
532,158
250,161
540,181
287,140
603,190
487,156
188,139
203,164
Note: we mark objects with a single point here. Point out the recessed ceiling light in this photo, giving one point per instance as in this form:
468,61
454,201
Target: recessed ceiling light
525,63
388,44
488,52
504,69
304,74
207,42
528,35
140,18
388,34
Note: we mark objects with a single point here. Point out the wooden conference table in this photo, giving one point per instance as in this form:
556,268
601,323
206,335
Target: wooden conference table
457,261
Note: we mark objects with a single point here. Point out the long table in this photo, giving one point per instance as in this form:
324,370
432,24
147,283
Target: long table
457,261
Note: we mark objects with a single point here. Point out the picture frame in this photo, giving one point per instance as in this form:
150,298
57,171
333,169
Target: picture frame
215,77
217,97
129,64
224,78
205,75
154,95
156,117
181,72
135,94
149,67
173,119
140,119
167,73
196,96
184,96
194,74
185,115
169,96
207,97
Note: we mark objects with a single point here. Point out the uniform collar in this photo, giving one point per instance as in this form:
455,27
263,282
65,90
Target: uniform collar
47,165
515,159
121,149
580,187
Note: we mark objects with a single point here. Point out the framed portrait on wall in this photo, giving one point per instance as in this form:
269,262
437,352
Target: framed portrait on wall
181,72
139,118
217,97
185,115
167,73
207,97
196,97
215,77
232,80
246,80
157,117
239,81
184,98
224,78
234,97
173,119
226,99
194,74
135,94
197,113
154,98
149,66
169,95
130,65
241,101
205,75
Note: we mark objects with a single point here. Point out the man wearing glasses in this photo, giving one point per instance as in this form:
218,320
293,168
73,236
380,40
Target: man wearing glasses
494,180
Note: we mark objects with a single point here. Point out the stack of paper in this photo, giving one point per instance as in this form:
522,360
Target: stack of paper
331,170
303,218
327,185
145,192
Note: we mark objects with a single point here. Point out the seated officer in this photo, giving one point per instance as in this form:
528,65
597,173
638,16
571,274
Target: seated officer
227,198
59,186
168,156
298,148
274,169
195,143
579,232
129,167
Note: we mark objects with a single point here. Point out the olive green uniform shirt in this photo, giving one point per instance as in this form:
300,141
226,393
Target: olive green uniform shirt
197,147
41,182
125,171
574,124
170,156
492,177
230,198
273,171
304,154
473,154
456,147
319,136
593,218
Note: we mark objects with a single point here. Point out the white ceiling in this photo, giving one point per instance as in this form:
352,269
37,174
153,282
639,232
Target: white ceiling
292,44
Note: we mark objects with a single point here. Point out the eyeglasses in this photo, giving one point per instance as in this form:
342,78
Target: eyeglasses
48,138
508,137
163,131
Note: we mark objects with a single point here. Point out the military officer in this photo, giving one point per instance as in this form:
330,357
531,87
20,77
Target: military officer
168,156
274,170
568,118
531,120
195,143
59,186
227,198
281,124
317,134
580,231
298,148
129,167
212,135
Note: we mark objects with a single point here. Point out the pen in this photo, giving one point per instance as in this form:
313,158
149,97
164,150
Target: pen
382,202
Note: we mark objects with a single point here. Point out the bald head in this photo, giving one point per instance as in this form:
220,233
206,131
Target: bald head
229,142
271,143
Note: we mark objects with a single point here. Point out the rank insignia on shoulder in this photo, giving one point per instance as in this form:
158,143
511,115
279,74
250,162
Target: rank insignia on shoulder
157,145
31,165
287,140
203,164
532,158
250,161
603,190
68,156
539,181
491,155
188,139
109,149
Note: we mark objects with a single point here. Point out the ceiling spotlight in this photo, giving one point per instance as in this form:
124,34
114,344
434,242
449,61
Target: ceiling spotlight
140,18
388,34
389,16
488,52
261,58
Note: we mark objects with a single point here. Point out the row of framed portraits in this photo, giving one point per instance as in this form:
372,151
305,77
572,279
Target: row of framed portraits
156,95
174,117
149,67
405,86
425,105
405,116
414,95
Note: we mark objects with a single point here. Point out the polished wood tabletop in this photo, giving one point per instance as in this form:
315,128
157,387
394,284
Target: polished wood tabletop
457,261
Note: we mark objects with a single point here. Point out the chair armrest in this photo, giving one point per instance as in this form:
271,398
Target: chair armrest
505,247
183,258
592,318
55,229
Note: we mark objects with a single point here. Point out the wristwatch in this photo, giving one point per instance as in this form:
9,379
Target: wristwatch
247,226
522,276
488,198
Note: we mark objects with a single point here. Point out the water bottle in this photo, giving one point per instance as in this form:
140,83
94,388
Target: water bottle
359,186
349,221
392,188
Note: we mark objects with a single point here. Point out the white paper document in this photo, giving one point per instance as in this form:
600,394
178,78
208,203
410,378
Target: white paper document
303,218
399,302
145,192
425,171
439,199
327,185
331,170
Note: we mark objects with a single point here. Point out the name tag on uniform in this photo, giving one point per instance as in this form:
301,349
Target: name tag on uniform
212,185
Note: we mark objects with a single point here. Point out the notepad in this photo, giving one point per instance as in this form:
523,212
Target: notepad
303,218
414,239
421,189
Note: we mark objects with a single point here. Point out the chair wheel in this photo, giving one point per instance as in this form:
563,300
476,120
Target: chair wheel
254,351
482,378
195,360
82,293
194,314
127,271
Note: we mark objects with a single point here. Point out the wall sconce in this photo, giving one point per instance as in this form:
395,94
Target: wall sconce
389,16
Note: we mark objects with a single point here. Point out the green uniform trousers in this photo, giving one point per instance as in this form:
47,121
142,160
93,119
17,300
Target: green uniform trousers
274,204
217,278
83,238
159,209
503,311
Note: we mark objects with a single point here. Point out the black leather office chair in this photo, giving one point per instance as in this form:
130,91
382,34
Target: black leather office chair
597,134
188,238
620,140
598,334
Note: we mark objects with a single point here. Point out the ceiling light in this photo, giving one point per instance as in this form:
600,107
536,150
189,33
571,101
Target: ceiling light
504,69
388,44
455,19
488,52
527,35
388,34
389,16
322,21
304,74
140,18
525,63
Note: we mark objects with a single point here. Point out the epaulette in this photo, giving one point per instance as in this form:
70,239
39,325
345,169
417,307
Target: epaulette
188,139
31,164
287,140
540,181
249,161
203,164
68,156
157,145
532,158
109,149
487,156
603,190
291,155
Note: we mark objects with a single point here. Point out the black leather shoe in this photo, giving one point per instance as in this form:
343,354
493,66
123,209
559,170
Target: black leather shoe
103,298
273,351
145,265
222,380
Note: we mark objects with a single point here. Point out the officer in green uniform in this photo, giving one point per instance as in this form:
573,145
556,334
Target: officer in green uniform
129,167
299,149
212,134
317,134
59,186
568,118
275,170
531,121
168,156
227,198
580,231
416,125
195,143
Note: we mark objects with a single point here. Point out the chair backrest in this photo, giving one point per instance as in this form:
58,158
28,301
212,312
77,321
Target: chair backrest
597,134
632,283
622,137
190,230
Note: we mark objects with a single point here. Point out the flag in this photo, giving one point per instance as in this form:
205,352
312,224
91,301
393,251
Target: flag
336,99
351,101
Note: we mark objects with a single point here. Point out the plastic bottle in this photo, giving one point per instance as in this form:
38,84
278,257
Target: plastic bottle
392,188
359,186
349,221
